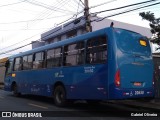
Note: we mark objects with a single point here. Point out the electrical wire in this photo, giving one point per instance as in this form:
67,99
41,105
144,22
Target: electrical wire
78,2
102,4
82,3
37,34
125,12
53,8
12,3
91,21
46,13
77,9
125,6
17,22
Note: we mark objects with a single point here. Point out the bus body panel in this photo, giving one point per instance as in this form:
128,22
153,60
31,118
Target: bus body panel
94,81
134,62
79,81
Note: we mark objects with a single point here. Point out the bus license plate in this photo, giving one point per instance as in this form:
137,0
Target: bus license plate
139,92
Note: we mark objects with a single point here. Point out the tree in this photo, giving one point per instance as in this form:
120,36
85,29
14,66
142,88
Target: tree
154,25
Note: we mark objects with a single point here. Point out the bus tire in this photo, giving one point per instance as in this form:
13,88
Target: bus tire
15,90
59,96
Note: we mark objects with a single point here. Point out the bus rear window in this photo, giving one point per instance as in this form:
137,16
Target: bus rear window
131,42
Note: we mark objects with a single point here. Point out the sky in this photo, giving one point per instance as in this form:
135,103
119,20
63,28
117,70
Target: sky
23,21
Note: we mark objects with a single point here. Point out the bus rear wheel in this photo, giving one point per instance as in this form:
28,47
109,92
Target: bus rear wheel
60,96
15,90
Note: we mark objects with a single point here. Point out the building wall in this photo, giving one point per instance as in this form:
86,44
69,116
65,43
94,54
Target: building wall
106,23
61,32
37,44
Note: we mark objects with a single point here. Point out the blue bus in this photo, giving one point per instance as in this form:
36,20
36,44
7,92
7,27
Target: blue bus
108,64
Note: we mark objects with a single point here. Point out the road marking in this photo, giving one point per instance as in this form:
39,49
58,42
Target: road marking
38,106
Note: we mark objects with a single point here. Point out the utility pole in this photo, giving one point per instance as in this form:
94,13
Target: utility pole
87,16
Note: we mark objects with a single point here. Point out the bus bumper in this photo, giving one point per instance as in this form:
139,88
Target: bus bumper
131,93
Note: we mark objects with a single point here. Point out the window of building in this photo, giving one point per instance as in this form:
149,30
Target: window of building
71,34
96,50
54,57
74,54
17,64
38,60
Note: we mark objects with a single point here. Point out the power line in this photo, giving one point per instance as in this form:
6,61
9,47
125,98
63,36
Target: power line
77,1
91,21
78,8
47,6
72,5
33,20
22,29
12,3
82,3
102,4
39,33
46,13
125,6
126,11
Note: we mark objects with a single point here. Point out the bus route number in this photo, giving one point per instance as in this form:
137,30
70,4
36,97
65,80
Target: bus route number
139,92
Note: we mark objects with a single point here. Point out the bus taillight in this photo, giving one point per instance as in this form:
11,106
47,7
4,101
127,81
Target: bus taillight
117,79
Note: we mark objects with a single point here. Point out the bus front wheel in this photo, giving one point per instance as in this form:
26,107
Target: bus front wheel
59,96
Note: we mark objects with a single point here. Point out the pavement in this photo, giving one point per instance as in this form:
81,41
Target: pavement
153,104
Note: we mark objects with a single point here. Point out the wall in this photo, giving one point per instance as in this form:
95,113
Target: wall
106,23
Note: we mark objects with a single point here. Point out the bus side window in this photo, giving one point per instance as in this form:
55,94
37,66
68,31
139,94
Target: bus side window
54,57
30,61
38,60
27,62
74,54
96,50
18,64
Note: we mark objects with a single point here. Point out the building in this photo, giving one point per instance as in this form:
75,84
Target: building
70,29
77,27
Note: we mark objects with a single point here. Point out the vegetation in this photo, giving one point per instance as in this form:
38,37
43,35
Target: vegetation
154,25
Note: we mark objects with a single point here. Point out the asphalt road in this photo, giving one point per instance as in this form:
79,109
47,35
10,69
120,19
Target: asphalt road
27,104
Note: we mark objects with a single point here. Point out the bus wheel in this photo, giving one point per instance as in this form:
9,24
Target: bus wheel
59,96
15,90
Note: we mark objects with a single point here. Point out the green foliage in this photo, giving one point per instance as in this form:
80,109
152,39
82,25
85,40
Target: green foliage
154,25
